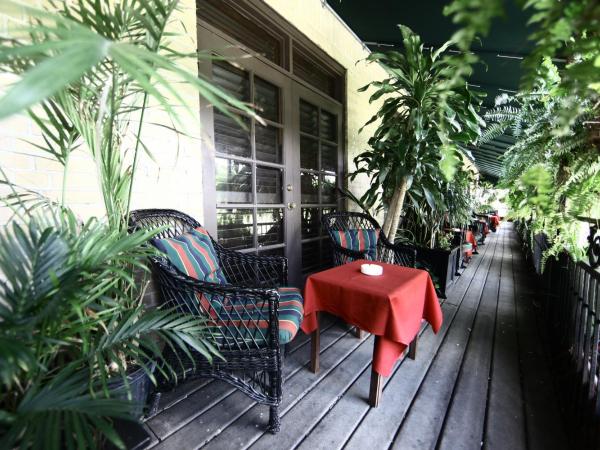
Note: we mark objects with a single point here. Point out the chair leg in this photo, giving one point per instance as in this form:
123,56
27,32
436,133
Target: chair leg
274,423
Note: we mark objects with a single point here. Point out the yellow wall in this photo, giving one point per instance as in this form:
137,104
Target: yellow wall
175,179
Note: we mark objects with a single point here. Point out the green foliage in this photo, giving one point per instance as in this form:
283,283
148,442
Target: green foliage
71,318
552,171
93,68
561,29
430,210
423,120
71,314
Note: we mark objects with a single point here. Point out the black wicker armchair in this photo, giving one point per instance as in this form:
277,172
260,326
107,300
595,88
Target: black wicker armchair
252,354
402,255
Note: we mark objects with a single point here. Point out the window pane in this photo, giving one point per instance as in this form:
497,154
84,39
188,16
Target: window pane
309,187
309,153
266,99
268,144
329,157
309,118
269,184
310,256
269,226
328,126
235,228
310,222
328,193
234,80
230,137
234,181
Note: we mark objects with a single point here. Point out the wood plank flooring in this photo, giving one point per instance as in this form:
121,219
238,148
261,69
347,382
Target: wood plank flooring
482,381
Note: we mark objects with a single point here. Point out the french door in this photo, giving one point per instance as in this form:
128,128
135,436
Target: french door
317,168
268,184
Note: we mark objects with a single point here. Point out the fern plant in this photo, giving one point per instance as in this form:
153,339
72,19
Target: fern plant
553,175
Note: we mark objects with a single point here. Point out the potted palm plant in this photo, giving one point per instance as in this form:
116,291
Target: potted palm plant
77,339
416,149
71,323
429,225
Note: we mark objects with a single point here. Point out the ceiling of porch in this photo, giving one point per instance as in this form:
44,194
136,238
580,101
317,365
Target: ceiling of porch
501,53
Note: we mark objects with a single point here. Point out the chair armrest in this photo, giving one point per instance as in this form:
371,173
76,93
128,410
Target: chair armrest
250,270
404,255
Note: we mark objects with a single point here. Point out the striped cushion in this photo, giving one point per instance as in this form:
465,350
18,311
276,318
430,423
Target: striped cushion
243,321
358,240
193,254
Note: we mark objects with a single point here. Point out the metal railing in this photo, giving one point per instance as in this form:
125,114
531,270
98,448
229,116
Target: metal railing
571,310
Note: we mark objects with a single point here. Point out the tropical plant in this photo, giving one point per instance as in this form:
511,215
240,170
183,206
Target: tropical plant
553,176
71,311
426,219
71,320
424,118
93,69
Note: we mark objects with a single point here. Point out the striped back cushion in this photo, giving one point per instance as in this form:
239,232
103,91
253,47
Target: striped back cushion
193,254
359,240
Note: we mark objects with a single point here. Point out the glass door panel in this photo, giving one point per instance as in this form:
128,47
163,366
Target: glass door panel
249,165
319,125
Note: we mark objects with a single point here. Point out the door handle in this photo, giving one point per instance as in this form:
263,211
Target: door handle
291,205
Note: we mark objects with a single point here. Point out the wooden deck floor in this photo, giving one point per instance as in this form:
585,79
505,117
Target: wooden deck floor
482,381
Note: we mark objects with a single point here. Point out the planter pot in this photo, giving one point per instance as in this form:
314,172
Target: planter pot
140,386
442,265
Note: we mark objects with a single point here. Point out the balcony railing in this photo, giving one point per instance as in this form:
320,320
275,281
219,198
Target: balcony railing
571,309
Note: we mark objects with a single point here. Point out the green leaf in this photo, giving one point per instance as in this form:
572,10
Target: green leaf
53,74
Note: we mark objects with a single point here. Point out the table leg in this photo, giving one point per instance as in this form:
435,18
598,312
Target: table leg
375,391
315,345
412,348
376,382
359,333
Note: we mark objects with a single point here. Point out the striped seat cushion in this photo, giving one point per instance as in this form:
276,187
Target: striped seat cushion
358,240
244,321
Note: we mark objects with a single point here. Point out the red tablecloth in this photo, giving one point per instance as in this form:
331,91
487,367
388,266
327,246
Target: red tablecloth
471,239
391,305
486,229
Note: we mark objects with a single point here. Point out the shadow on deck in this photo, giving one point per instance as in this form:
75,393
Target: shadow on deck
482,381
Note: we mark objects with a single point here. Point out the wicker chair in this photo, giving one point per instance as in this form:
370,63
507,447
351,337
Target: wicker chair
252,362
402,255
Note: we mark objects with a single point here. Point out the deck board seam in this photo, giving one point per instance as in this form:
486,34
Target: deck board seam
493,352
233,390
481,266
460,373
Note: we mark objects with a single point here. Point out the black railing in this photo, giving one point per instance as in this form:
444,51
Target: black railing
571,309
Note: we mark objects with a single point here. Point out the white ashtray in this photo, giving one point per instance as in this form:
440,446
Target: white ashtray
371,269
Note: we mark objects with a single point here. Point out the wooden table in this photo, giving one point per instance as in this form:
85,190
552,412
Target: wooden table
390,306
